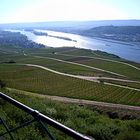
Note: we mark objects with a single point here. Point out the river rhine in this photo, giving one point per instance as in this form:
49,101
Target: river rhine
125,50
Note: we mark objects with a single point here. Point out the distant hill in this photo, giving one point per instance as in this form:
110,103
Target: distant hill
116,30
68,26
124,30
122,33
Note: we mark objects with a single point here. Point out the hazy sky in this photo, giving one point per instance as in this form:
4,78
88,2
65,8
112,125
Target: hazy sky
63,10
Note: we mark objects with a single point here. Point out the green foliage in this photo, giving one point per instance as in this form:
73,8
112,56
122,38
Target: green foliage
2,84
128,135
11,61
81,119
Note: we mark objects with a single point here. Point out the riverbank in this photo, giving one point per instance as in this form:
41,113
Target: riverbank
121,49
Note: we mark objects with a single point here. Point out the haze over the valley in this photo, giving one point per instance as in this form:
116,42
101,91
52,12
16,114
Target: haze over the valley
16,11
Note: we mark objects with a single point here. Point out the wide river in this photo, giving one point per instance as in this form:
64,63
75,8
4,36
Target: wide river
125,50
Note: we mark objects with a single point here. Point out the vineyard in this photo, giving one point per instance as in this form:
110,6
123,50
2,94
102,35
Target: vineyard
73,56
115,67
44,82
31,85
63,66
130,84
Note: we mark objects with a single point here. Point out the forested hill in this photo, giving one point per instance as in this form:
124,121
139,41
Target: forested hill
122,33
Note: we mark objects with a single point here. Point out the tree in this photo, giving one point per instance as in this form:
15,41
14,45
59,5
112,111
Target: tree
101,81
2,84
11,61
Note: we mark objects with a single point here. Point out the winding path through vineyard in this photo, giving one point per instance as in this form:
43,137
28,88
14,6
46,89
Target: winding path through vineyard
94,79
104,59
91,67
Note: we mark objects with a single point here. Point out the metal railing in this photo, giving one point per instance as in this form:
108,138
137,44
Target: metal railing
40,118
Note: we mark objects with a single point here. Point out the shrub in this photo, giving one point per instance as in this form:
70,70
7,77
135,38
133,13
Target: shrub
128,135
101,132
135,125
2,84
112,115
128,117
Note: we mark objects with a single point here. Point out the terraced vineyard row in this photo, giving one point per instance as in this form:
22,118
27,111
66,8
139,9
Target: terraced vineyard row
114,67
130,84
74,69
63,67
44,82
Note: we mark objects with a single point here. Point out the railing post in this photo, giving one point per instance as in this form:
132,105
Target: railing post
44,118
7,129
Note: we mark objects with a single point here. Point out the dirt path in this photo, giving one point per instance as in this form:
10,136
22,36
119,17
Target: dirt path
79,101
94,79
109,78
88,77
104,59
68,62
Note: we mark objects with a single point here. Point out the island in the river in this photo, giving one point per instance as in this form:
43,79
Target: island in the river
46,34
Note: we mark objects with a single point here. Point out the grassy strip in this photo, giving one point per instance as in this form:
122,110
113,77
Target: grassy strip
111,66
129,84
82,119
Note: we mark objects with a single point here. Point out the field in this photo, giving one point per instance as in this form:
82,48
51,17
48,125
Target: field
55,81
91,59
115,67
130,84
44,82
